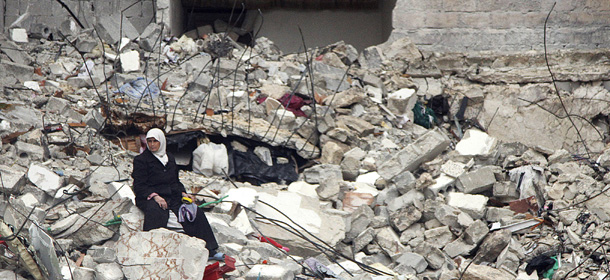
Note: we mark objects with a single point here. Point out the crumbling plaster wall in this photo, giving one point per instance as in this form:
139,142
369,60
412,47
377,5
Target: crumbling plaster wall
50,13
505,25
360,28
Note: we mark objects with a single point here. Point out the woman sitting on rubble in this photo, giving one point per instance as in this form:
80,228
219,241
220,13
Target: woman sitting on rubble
158,190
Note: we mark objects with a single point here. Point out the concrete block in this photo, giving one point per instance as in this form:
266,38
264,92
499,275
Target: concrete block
108,271
413,260
404,182
495,214
332,152
364,238
425,148
405,217
505,190
130,61
458,247
475,232
441,185
19,35
402,102
111,28
360,220
388,239
151,37
315,174
475,142
12,179
472,204
358,125
476,181
93,119
271,272
438,237
30,151
44,179
15,53
452,168
493,245
350,165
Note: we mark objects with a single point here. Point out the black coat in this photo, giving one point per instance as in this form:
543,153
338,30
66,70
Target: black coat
150,176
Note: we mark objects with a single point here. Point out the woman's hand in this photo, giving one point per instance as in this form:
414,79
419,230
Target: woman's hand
161,201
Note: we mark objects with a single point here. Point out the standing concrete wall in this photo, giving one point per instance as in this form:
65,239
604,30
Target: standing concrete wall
510,25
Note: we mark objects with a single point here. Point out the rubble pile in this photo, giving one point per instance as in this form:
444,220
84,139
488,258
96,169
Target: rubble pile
410,165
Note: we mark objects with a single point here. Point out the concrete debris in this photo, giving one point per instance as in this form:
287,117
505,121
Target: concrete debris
502,177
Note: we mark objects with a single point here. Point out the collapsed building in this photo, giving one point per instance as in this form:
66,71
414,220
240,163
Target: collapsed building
393,162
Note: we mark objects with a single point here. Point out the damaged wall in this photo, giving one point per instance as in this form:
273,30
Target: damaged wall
455,25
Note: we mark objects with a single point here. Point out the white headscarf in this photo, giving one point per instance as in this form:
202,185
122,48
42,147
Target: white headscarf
160,136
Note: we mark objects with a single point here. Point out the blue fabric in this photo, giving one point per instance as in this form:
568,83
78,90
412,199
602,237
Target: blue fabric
187,212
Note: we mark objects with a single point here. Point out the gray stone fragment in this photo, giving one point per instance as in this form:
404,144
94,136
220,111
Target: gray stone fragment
484,272
8,274
225,234
413,197
447,215
438,237
102,254
350,165
495,214
434,256
95,159
458,247
475,232
86,42
151,37
414,261
404,217
83,273
493,245
360,126
506,190
15,52
567,217
388,239
364,238
99,177
108,271
93,119
315,174
425,148
404,182
476,181
345,98
111,29
360,220
415,230
471,204
13,179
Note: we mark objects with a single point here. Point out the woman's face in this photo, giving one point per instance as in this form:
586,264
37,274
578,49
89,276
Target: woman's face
153,144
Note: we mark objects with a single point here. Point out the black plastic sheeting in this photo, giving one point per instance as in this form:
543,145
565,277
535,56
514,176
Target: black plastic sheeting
245,167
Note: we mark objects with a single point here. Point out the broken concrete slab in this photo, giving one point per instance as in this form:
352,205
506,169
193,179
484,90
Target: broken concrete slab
476,181
112,30
304,211
425,148
167,254
474,205
45,179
